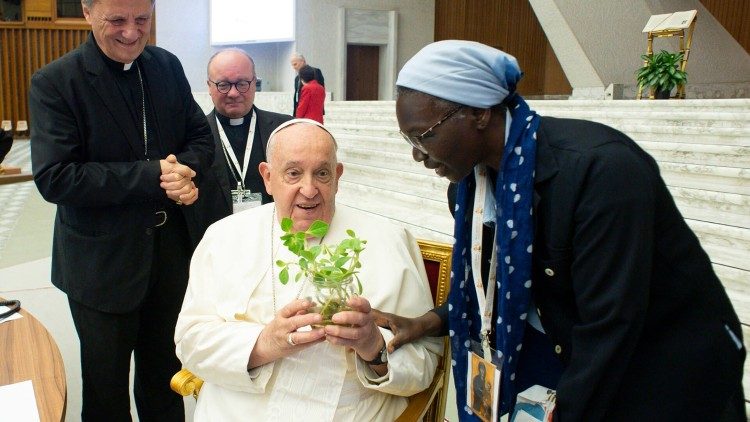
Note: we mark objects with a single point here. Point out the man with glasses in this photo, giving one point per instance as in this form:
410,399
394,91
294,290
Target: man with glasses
596,286
118,144
241,132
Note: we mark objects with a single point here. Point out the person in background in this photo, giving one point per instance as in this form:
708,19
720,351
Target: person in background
6,143
313,96
240,132
117,143
298,62
249,337
602,290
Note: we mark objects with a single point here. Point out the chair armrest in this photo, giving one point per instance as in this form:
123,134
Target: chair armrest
420,403
186,383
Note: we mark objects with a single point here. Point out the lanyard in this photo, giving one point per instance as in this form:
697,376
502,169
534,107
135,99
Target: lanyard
231,157
485,302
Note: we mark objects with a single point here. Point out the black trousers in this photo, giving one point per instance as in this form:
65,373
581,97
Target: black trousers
108,340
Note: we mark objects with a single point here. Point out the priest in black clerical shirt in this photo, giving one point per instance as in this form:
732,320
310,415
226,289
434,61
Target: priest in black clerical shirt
119,144
240,132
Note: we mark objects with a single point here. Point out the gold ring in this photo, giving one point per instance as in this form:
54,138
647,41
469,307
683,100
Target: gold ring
290,340
178,202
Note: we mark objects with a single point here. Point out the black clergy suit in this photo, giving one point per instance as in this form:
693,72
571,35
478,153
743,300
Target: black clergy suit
124,272
215,200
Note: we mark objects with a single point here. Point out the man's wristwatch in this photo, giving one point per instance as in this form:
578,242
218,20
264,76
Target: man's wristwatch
381,358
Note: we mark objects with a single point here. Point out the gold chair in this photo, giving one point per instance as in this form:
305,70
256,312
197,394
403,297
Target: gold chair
429,405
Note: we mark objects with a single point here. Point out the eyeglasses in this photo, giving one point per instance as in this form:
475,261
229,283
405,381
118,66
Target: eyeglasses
416,141
241,86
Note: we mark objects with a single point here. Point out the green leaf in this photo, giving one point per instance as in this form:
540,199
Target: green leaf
342,261
280,263
307,255
351,233
284,276
318,229
661,71
286,224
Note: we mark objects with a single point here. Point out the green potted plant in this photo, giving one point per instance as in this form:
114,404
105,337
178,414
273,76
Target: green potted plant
332,270
661,72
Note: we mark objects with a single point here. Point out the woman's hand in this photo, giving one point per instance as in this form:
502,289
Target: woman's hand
407,330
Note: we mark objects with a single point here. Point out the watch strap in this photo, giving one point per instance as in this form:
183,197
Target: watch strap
381,358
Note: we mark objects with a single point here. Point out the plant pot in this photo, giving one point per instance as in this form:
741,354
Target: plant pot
331,297
662,94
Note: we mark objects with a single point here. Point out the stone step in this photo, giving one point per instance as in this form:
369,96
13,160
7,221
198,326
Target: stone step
383,160
423,186
737,284
608,117
373,143
729,104
718,155
726,245
426,215
385,118
632,128
658,135
705,205
362,127
693,175
708,189
676,152
686,120
712,178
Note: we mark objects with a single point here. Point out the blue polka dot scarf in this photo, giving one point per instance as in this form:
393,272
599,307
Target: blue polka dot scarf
514,191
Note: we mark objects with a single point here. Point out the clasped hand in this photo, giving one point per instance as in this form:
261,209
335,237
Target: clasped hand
177,181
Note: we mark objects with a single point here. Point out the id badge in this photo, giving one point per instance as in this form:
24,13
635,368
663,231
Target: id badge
244,200
483,384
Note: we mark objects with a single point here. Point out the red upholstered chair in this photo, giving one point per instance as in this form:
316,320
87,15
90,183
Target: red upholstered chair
429,405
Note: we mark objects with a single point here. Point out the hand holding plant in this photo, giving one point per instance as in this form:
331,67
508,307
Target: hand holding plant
331,269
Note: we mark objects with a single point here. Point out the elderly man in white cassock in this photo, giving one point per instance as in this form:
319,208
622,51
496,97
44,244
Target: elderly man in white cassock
249,337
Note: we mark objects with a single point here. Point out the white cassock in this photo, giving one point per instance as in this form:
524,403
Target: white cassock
229,300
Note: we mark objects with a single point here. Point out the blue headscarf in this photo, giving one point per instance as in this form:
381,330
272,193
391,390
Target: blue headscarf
477,75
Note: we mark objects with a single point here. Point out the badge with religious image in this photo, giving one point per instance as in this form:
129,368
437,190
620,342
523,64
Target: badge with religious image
482,387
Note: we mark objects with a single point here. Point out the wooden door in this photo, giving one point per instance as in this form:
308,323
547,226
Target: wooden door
362,72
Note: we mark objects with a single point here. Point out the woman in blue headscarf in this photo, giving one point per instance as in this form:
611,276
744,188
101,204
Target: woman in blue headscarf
597,286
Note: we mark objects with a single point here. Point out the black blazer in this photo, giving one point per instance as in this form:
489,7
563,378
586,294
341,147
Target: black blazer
6,143
215,201
624,290
87,157
298,87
